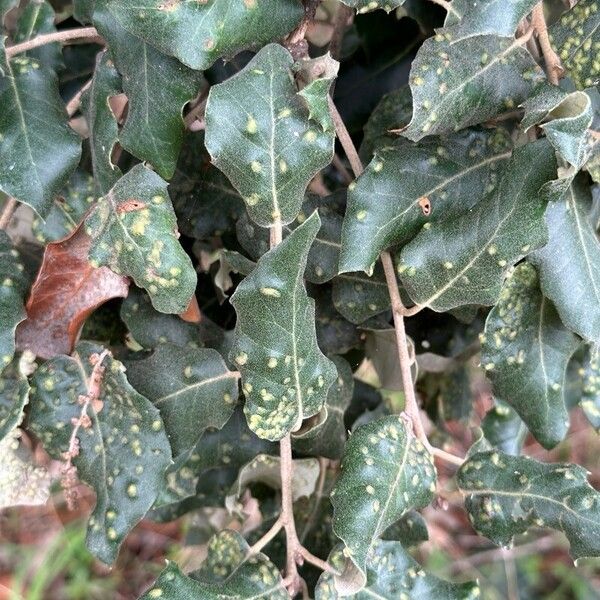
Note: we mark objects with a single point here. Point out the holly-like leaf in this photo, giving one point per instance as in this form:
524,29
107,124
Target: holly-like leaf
576,38
14,394
569,264
102,124
392,574
525,351
566,119
122,455
385,472
193,389
157,88
67,209
204,200
464,260
504,429
335,334
230,572
270,150
472,17
325,434
323,257
363,6
21,482
412,185
37,155
284,374
66,291
37,18
267,470
460,82
505,495
13,287
198,33
134,232
590,400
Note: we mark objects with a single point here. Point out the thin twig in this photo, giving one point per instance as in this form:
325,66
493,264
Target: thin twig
341,167
345,139
48,38
10,205
267,537
75,102
554,68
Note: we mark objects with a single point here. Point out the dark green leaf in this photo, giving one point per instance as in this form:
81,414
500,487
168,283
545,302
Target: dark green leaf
569,264
505,495
38,153
192,389
525,350
410,528
67,210
405,187
392,574
102,124
124,453
230,572
37,18
385,472
14,394
13,287
218,28
335,334
460,82
285,376
576,38
363,6
504,429
464,260
134,232
157,87
590,400
325,434
270,150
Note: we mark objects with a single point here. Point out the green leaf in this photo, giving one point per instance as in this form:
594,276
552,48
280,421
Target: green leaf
460,82
477,17
267,470
67,210
464,260
504,429
134,232
284,374
385,472
505,495
363,6
393,574
102,124
193,390
37,18
410,528
124,453
394,111
525,350
157,87
323,257
218,28
325,434
14,394
204,200
567,118
229,572
38,154
590,400
5,6
576,38
357,297
569,264
405,187
13,287
335,334
270,150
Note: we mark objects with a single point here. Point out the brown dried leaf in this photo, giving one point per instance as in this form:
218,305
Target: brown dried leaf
66,291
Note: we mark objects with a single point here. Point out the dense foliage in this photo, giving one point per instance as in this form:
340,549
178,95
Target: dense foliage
212,303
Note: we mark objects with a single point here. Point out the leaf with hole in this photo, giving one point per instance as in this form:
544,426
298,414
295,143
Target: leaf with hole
134,232
270,150
285,376
464,260
123,454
